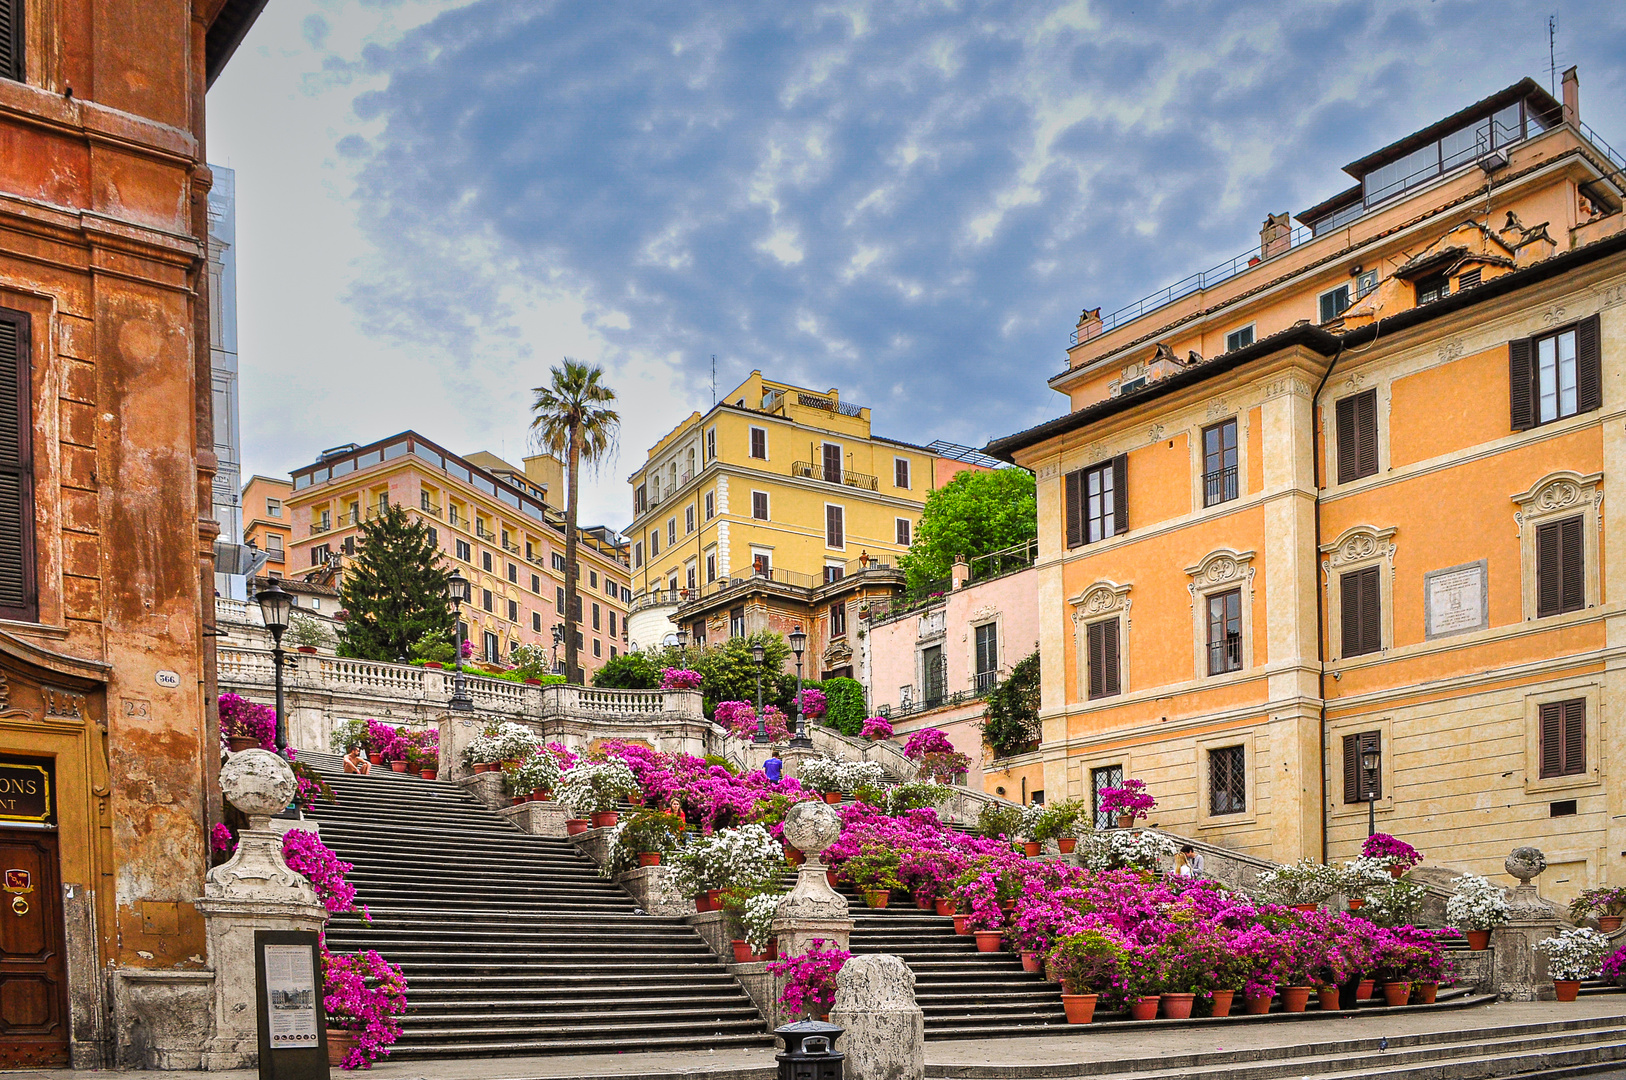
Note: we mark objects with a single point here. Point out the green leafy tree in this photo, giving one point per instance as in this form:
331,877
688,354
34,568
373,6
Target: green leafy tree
573,420
634,671
973,514
1011,722
844,702
394,589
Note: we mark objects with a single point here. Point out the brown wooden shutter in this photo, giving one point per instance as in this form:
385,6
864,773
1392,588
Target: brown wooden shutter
1361,611
11,40
1371,610
1346,440
1574,713
17,585
1521,383
1550,720
1357,436
1349,599
1352,768
1588,365
1073,506
1097,664
1549,571
833,527
1110,682
1572,564
1120,495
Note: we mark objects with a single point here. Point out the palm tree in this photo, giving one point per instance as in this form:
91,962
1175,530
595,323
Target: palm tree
572,419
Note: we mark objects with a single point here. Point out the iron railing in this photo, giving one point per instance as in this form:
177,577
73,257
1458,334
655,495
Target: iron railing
1005,561
809,470
1219,487
1226,655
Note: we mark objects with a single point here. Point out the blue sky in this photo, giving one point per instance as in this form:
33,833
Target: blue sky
908,201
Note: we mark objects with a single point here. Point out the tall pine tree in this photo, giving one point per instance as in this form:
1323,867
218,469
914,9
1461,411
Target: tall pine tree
394,589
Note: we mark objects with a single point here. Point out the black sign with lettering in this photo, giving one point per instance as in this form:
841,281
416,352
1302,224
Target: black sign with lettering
27,789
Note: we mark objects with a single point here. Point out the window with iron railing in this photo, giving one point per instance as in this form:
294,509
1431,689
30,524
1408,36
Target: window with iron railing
1219,463
1225,632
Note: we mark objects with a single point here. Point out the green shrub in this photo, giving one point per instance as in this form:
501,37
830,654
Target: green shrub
634,671
844,702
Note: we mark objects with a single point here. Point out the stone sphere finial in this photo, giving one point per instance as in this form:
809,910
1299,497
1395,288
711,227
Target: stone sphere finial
1525,863
259,783
811,827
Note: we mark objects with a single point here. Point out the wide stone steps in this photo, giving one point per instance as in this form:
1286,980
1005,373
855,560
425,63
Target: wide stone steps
512,944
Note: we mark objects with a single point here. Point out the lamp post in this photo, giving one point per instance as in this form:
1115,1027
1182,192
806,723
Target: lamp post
757,653
558,640
457,591
798,642
275,607
683,643
1369,762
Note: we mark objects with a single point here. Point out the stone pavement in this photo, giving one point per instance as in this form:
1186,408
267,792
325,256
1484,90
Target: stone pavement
1037,1056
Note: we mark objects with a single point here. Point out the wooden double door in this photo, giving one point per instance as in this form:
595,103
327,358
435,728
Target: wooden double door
33,967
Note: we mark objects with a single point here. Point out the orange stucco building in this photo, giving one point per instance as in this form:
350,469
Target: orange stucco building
1347,494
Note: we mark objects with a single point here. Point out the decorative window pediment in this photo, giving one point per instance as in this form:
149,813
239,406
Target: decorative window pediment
1221,567
1102,598
1359,544
1557,493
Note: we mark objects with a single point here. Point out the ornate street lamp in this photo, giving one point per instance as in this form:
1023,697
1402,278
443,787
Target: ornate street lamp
798,643
457,591
558,640
757,653
1369,762
682,643
275,608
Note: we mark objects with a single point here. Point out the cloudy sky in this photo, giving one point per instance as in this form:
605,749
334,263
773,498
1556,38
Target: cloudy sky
909,201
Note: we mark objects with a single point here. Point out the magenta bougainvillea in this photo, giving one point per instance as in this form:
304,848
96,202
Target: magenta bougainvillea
241,718
810,979
305,852
1390,850
739,719
221,839
673,678
927,741
814,704
366,994
876,728
1128,799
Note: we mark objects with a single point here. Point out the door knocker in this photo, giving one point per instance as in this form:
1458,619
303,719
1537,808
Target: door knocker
19,905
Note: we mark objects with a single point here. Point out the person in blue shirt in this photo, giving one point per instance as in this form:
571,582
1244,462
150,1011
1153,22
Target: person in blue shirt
774,768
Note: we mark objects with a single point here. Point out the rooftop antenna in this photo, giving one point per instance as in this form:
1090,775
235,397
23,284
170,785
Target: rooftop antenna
1552,54
714,378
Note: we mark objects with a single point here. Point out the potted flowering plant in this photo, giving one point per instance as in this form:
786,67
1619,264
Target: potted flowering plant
679,679
247,726
810,979
748,916
1059,822
1476,908
744,858
756,920
1302,885
876,728
1397,855
596,788
1360,878
364,996
1115,850
642,840
1608,904
532,777
814,703
1127,803
1396,905
874,871
1572,956
1613,968
823,774
1088,965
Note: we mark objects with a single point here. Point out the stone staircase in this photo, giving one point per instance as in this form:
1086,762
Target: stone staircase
512,943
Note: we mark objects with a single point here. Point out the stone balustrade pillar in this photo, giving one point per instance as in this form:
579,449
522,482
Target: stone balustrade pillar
813,911
886,1031
1519,972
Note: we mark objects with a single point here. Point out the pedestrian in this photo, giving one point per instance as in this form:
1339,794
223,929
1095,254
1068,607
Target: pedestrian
355,761
1189,863
773,768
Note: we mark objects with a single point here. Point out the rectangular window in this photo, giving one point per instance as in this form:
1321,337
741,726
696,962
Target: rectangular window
711,567
1563,738
933,676
513,573
689,575
1102,641
485,599
1227,787
711,444
1239,339
671,531
349,545
596,616
493,654
711,505
536,583
736,622
576,609
900,472
1433,287
592,577
759,443
834,527
434,537
759,505
559,599
638,554
513,611
761,563
688,519
834,573
558,562
578,640
536,622
485,561
987,655
1225,632
273,542
1357,419
640,499
697,633
830,461
838,619
320,554
1361,611
598,647
904,527
1361,783
654,542
272,506
1560,567
464,552
1101,779
1219,463
1332,304
1555,375
1095,507
612,652
612,624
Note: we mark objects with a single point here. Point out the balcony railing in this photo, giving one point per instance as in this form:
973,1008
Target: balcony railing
512,549
1219,487
320,527
429,508
809,470
939,699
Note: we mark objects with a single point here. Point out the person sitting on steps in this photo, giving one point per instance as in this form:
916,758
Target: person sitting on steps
356,762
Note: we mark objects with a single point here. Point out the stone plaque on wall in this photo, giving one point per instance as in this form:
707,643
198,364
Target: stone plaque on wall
1455,600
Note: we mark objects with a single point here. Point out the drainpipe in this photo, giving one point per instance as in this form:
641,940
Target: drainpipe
1320,602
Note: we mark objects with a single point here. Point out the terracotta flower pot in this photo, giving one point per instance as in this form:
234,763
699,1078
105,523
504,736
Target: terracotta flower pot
1080,1008
924,903
533,682
1176,1006
1566,989
1221,1002
414,769
1396,993
959,924
519,800
308,650
577,826
339,1044
1258,1006
877,898
1295,998
989,940
1609,923
1329,998
436,664
794,855
773,949
239,743
714,897
1356,903
1397,872
1126,821
636,798
701,904
428,774
945,906
542,796
1031,962
1478,940
832,797
1424,993
1007,906
376,759
1031,848
605,819
509,763
1363,992
398,766
649,858
1066,844
1305,907
1144,1008
743,953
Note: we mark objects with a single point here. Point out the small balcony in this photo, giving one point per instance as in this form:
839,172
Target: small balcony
429,508
511,548
808,470
321,526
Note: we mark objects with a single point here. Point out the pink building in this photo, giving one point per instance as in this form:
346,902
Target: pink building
934,664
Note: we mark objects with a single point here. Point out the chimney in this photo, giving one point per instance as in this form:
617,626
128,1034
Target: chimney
1276,235
1089,324
1572,98
960,575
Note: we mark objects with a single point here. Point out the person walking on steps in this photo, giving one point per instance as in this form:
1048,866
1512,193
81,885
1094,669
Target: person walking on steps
773,768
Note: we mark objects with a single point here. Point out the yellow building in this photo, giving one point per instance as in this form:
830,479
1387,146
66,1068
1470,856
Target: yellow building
1347,496
266,524
493,522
